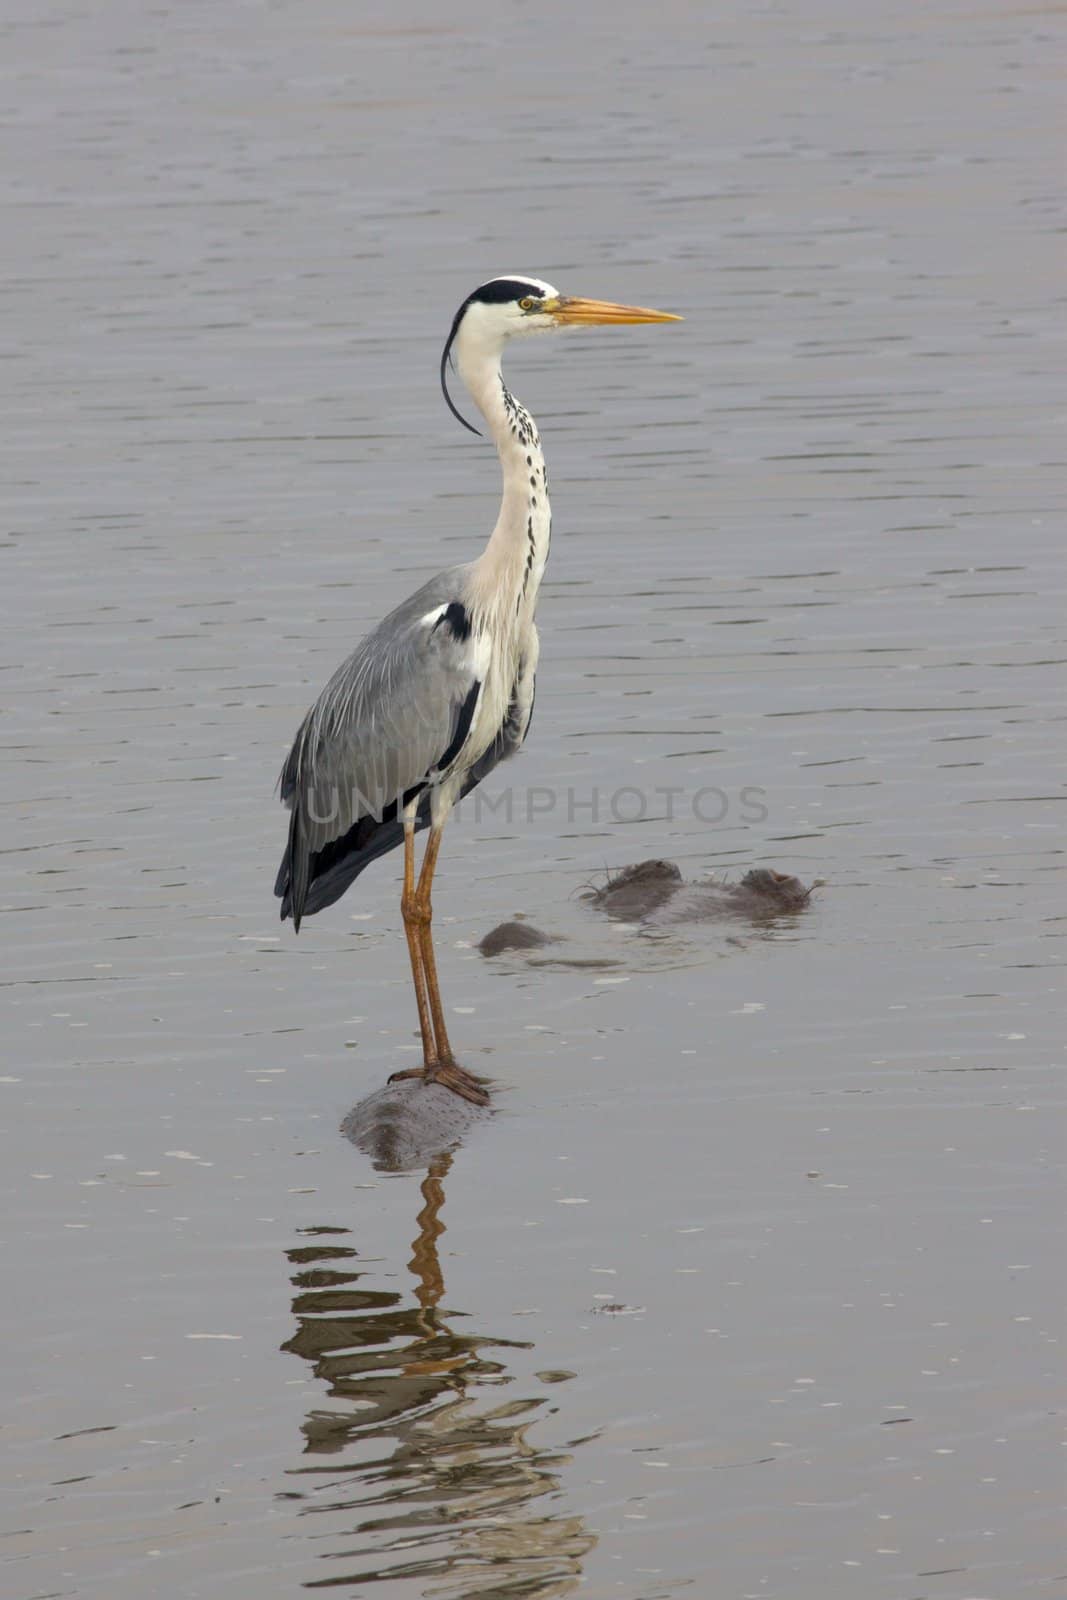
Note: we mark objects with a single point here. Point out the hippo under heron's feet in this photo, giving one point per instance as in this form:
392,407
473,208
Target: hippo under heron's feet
450,1075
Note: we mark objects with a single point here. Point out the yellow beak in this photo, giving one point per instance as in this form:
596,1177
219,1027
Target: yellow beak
570,312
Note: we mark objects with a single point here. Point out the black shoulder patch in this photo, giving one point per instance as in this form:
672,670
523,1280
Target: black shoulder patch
458,619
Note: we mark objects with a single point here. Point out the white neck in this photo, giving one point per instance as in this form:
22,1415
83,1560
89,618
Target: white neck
510,569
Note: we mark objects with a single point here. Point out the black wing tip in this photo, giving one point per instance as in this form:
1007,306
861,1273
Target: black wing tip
287,909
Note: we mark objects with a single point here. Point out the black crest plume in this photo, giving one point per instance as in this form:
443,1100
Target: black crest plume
445,359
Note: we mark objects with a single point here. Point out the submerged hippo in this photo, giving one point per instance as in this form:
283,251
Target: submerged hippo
637,891
657,889
406,1124
656,894
514,936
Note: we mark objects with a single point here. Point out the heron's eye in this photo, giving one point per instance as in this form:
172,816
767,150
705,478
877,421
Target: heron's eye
527,303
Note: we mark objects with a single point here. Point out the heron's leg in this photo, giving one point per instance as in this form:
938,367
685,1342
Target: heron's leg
448,1072
437,1065
410,913
425,928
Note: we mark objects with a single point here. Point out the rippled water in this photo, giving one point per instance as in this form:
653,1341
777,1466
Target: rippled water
751,1286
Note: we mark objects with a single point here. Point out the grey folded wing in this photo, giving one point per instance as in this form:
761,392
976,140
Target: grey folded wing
390,723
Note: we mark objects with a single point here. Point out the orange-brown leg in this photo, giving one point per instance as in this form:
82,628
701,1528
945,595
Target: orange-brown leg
410,915
438,1063
426,950
449,1072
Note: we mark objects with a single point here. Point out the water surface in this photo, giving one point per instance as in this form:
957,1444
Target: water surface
751,1287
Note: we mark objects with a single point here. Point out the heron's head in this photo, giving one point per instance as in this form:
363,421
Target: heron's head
508,307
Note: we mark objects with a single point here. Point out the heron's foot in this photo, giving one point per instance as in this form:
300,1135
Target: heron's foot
468,1085
450,1075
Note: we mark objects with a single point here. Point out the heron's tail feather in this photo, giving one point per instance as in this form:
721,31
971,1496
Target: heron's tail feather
308,881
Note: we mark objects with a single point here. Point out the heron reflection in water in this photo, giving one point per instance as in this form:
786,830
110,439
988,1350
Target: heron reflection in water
438,1484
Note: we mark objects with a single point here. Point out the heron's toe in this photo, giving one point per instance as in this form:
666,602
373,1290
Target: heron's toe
450,1075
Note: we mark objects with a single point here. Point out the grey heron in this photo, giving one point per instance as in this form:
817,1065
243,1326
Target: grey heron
443,688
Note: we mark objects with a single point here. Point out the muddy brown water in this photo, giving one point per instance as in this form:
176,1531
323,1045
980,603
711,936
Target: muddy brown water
751,1286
